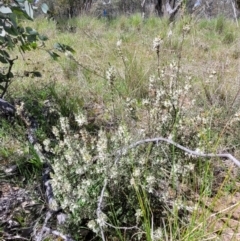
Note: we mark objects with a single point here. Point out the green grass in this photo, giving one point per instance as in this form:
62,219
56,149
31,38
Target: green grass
207,58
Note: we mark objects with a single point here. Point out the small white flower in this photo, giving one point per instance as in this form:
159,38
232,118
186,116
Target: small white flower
55,132
150,180
93,226
102,219
110,74
157,234
190,167
119,43
81,119
145,102
199,151
64,124
138,215
46,144
137,173
186,28
132,181
156,43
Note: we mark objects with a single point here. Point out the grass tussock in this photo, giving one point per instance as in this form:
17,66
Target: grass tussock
129,80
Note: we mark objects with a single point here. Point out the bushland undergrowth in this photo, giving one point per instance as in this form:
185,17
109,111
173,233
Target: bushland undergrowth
130,80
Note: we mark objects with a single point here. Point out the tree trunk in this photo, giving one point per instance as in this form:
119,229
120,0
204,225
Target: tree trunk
159,7
238,4
167,8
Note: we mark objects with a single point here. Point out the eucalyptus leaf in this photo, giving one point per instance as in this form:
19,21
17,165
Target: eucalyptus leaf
54,55
31,31
4,53
3,60
10,75
34,45
43,37
31,38
28,9
12,31
69,48
59,47
2,32
10,42
20,1
45,8
13,19
5,10
63,48
21,13
2,77
25,47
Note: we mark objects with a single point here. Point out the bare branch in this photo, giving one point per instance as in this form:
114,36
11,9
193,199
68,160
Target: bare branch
158,139
124,228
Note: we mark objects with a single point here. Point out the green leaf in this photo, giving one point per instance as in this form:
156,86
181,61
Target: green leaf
10,42
13,19
3,16
53,54
10,75
21,13
5,10
59,47
1,87
20,1
31,38
28,9
43,37
31,31
11,30
21,39
2,40
4,53
34,45
25,47
62,48
69,49
45,8
20,30
2,78
4,56
28,29
2,32
3,60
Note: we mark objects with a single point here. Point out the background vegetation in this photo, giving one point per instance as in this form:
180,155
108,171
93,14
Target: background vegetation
130,79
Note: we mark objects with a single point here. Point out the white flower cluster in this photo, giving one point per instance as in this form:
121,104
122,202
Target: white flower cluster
102,219
85,158
111,74
81,119
157,234
156,43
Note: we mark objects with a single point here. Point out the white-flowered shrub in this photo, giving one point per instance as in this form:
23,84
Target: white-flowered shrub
141,180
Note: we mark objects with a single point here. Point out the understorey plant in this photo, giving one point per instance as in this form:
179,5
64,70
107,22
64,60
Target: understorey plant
131,181
14,35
